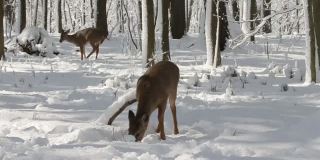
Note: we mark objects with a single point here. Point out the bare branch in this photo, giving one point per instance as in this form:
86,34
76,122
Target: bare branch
244,37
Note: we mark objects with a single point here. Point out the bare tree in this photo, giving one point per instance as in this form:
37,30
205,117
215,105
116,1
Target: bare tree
165,30
177,19
101,21
265,12
23,15
310,13
45,14
35,18
59,12
148,35
211,30
2,54
253,16
9,13
235,10
189,4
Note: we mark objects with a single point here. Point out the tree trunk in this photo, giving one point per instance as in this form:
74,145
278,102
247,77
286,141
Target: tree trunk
60,16
253,16
311,73
165,30
45,14
224,34
217,53
316,14
35,18
266,11
140,23
297,16
101,21
50,16
177,19
23,15
140,14
148,35
235,10
210,31
189,13
92,9
84,12
2,54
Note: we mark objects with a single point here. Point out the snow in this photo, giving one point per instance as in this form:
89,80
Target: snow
39,39
56,108
130,95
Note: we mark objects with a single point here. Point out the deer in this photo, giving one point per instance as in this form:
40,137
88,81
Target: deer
158,85
93,36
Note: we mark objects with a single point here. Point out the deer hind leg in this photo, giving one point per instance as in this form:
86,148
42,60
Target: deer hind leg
160,128
82,52
172,101
97,51
94,48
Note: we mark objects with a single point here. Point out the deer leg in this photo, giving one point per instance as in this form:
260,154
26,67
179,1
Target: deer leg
161,123
161,110
97,52
81,52
172,101
158,128
94,48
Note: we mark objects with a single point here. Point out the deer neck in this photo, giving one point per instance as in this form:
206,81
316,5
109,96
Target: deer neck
144,107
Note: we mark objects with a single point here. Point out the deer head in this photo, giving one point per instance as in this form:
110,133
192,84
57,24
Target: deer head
137,125
63,35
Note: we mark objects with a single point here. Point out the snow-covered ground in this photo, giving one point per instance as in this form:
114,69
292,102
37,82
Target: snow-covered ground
49,107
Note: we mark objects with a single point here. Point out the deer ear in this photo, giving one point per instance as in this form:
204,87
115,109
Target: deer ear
131,116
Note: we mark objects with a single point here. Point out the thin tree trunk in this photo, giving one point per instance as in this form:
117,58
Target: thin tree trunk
266,11
217,53
2,54
50,16
23,15
235,10
84,12
92,9
59,15
140,23
297,16
35,18
189,13
45,14
148,35
210,31
316,14
165,31
253,16
311,75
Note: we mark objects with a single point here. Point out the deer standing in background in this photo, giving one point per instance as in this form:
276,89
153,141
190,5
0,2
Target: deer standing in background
92,36
154,88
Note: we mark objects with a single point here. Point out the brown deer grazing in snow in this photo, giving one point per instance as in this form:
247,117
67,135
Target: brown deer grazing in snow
154,88
92,36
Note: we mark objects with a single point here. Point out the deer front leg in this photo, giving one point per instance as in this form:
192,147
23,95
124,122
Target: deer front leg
161,110
81,52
